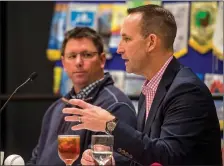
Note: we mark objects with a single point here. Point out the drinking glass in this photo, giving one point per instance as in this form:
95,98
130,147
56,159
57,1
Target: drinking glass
102,147
68,148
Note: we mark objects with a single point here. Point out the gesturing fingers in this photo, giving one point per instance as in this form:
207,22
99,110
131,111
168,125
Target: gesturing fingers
80,103
74,118
75,111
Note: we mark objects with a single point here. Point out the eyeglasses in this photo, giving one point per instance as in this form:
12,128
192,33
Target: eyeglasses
84,55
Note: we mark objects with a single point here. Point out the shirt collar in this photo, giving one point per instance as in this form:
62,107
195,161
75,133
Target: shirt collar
154,82
85,91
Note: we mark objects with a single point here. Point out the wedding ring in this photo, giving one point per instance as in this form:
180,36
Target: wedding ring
80,120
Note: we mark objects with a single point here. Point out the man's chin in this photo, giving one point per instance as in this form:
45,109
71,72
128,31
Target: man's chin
80,83
128,70
131,71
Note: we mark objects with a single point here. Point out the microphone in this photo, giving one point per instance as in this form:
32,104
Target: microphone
29,79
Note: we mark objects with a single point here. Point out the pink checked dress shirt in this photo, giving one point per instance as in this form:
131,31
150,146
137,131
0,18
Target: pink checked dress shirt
150,86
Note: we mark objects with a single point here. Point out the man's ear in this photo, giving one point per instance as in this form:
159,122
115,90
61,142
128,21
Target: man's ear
62,60
151,42
102,57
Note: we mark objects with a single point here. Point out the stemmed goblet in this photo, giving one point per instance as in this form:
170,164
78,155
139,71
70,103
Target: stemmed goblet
102,147
68,148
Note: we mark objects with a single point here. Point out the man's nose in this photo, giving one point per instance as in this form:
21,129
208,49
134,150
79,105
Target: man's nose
78,60
120,50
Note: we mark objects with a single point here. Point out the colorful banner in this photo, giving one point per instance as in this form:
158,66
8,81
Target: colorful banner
104,26
180,11
82,14
57,78
104,17
57,32
155,2
136,3
203,17
214,82
119,11
218,34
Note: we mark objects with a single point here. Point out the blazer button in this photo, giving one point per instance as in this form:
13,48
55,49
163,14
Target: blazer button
119,150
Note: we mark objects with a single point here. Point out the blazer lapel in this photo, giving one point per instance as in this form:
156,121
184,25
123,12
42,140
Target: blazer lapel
141,113
164,85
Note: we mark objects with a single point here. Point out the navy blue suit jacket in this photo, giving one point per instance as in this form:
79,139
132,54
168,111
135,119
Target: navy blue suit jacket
182,126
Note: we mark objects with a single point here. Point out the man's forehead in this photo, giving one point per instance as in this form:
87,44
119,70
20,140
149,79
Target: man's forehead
130,24
133,17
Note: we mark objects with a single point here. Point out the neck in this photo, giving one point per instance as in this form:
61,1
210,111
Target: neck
156,62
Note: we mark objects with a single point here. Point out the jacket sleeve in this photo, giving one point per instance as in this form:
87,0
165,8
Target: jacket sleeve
185,117
42,138
127,114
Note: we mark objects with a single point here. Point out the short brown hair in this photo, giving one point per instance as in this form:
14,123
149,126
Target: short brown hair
158,20
83,32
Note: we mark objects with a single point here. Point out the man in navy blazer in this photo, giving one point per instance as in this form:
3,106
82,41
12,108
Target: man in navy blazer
177,120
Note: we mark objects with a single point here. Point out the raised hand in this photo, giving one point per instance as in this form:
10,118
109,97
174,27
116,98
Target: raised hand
91,117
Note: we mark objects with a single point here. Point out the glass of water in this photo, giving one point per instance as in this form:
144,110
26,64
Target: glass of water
102,147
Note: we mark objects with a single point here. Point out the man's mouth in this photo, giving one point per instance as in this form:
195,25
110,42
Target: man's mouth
126,60
79,72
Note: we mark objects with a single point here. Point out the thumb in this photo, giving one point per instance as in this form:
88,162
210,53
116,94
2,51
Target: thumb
87,155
